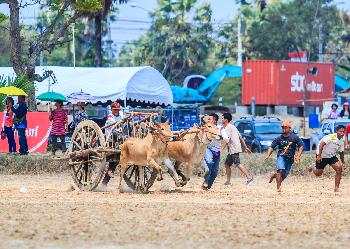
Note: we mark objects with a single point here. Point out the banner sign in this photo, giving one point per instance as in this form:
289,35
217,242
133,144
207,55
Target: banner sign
38,131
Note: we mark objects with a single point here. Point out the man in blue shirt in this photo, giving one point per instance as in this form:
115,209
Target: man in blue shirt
20,122
287,144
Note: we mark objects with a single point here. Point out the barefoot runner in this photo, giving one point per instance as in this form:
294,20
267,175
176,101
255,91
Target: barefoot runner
327,151
287,144
212,154
234,148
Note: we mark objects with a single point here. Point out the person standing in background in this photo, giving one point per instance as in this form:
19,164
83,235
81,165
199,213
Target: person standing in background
80,115
334,113
20,122
345,113
8,125
59,120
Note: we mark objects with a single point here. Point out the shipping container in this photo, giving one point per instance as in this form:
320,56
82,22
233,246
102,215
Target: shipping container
283,82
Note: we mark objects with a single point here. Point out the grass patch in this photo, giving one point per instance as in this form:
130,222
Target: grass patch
31,164
43,163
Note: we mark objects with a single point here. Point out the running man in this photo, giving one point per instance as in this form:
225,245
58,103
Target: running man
234,148
326,153
286,144
212,154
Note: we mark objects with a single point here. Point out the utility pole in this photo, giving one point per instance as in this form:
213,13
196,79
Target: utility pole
41,58
73,43
109,42
320,40
239,40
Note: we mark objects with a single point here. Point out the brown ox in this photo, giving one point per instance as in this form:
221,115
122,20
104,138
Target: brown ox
146,151
191,150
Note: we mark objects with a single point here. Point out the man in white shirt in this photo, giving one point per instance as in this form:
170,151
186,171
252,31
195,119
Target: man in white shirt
212,154
112,118
326,153
234,148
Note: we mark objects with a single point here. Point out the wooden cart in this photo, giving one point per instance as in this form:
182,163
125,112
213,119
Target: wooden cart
93,148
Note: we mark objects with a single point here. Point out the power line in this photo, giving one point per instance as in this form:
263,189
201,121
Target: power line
130,20
123,28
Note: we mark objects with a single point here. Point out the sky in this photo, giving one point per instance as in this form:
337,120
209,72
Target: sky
134,21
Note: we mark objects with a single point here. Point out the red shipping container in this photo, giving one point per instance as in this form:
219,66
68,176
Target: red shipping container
282,83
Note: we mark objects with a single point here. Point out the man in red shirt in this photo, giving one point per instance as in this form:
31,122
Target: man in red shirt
347,131
59,120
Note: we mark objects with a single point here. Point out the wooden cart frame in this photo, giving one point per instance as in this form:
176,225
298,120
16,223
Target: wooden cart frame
91,151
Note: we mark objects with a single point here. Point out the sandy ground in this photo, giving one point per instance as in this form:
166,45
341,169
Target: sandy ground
308,214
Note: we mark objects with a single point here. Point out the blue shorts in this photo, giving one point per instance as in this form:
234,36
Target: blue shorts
282,164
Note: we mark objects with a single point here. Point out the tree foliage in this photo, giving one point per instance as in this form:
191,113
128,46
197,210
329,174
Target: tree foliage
182,39
21,82
65,12
285,26
5,45
176,44
99,18
62,54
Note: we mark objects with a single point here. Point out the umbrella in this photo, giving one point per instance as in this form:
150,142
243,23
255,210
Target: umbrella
51,96
12,91
77,97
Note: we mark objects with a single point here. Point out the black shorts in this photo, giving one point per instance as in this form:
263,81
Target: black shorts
325,161
233,159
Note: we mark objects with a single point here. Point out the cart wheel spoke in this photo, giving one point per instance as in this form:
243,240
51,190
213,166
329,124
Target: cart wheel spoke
87,171
133,174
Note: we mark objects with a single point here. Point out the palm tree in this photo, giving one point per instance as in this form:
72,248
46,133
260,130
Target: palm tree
98,18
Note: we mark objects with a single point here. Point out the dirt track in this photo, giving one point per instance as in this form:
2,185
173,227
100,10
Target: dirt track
306,215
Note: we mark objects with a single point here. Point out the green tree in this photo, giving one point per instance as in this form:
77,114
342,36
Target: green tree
226,46
99,18
66,11
176,44
25,52
21,82
230,90
288,25
62,54
5,45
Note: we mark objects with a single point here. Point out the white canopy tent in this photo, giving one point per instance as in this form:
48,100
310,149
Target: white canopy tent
143,84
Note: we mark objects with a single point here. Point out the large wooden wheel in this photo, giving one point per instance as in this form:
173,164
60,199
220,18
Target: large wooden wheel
140,178
87,159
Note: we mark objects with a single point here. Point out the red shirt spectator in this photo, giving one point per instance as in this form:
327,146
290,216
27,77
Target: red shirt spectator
59,120
8,118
